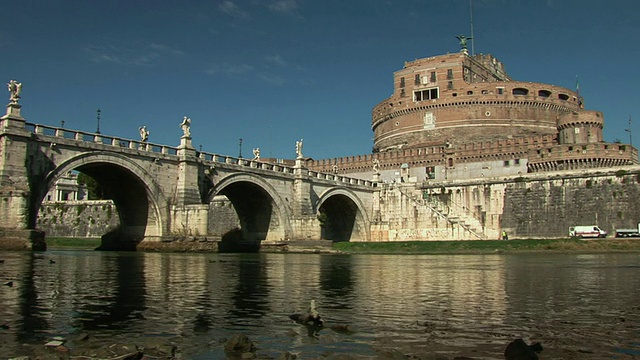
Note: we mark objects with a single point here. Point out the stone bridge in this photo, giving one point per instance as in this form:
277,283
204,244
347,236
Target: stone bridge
163,194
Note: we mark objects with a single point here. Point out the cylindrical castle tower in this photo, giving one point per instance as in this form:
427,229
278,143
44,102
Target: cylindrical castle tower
460,99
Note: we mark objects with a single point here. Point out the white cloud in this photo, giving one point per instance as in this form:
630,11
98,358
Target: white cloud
147,55
284,6
275,60
231,9
229,69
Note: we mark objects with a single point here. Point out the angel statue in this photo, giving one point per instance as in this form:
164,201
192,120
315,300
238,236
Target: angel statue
144,133
14,88
463,41
256,154
299,149
186,126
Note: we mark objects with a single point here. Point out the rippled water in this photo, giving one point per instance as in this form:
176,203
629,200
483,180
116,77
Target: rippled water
577,306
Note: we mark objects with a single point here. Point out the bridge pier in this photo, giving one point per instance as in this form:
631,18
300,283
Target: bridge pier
17,226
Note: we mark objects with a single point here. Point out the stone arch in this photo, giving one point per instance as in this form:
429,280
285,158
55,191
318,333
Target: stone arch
345,216
141,214
262,211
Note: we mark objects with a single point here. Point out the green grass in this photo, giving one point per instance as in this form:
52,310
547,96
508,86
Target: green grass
72,243
487,246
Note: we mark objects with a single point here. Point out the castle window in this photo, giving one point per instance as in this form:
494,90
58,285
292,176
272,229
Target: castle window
563,96
500,90
450,85
544,93
417,82
449,74
516,161
520,91
469,92
403,93
506,163
485,92
401,82
433,76
427,94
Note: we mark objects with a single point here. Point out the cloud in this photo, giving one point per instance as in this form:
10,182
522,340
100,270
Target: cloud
147,55
275,60
229,69
272,79
231,9
284,6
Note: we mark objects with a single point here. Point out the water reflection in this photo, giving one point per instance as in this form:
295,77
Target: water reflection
421,303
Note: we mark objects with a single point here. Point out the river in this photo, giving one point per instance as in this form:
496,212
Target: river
578,306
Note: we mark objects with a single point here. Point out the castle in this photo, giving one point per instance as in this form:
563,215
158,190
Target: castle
460,116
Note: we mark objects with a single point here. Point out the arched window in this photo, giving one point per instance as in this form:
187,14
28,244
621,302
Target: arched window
544,93
520,91
563,96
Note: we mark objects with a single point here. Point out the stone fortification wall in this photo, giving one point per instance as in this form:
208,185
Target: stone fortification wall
547,208
530,206
89,219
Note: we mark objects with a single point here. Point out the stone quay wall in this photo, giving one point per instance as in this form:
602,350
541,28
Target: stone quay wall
84,219
529,206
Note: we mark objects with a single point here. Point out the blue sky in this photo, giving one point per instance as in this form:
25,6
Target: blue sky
275,71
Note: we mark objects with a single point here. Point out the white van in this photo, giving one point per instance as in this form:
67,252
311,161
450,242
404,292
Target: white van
591,231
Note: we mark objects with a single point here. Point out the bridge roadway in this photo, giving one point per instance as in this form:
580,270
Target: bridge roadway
163,193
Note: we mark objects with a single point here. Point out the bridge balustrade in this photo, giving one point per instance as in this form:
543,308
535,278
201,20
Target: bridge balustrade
99,138
89,137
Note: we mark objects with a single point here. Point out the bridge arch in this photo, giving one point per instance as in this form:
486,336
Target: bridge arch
344,216
263,213
142,206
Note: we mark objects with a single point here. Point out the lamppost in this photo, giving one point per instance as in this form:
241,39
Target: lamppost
98,117
629,131
62,124
240,152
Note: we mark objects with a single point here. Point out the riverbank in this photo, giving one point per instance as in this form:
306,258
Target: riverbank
489,246
430,247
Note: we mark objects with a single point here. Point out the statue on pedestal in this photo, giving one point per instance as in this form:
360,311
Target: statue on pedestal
463,42
14,88
256,154
299,149
186,127
144,134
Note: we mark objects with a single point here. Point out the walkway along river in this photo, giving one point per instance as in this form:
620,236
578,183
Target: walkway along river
578,306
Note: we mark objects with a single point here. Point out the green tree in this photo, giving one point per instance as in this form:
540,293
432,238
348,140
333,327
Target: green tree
96,192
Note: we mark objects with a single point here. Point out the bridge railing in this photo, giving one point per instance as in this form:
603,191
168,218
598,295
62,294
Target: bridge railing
97,138
281,168
58,132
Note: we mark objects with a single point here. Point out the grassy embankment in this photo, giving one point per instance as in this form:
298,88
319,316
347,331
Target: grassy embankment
72,243
489,246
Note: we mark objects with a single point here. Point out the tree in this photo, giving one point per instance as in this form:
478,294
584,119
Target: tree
96,192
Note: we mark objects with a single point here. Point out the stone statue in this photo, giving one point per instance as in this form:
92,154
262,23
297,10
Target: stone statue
14,90
376,166
463,41
144,134
299,149
186,127
256,154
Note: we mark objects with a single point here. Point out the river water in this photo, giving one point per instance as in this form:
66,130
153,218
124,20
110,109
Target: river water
578,306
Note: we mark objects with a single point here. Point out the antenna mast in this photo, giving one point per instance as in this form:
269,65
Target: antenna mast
473,49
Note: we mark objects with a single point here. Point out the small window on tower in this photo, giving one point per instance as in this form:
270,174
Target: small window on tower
433,76
417,82
450,74
402,82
